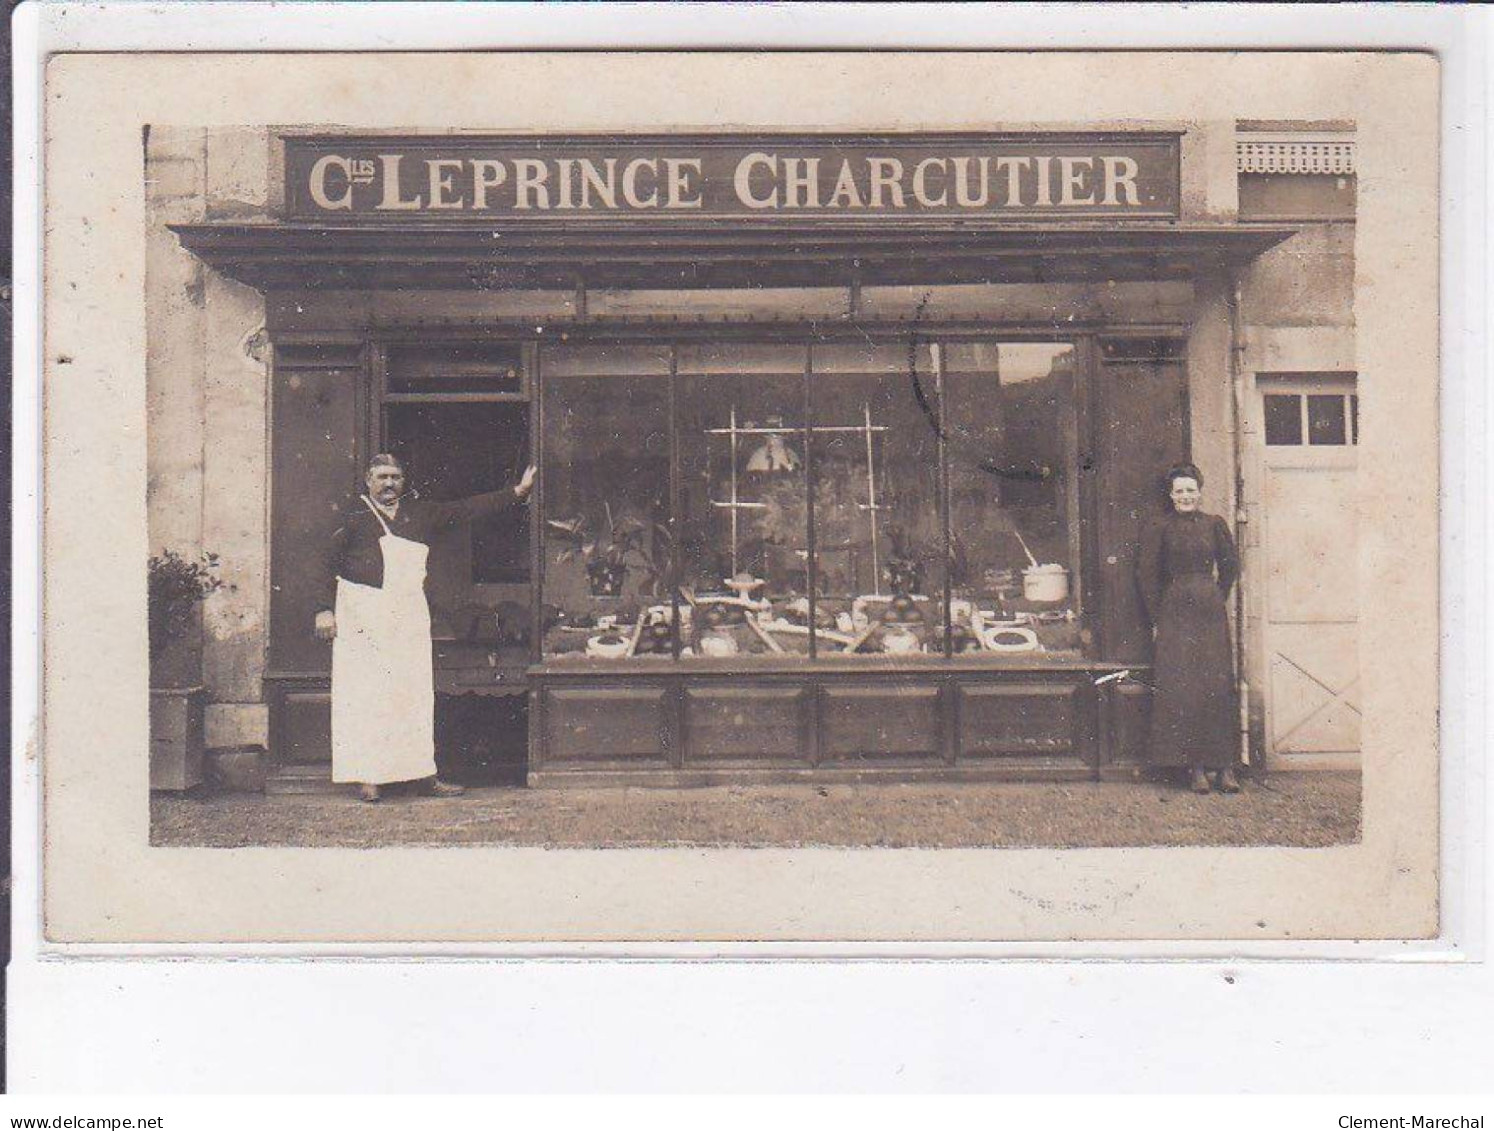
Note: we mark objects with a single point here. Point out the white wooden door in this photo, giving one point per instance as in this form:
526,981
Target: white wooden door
1311,620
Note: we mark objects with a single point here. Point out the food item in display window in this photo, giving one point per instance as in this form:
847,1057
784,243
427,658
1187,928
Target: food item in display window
654,640
1052,616
797,612
898,640
789,629
903,609
1010,638
608,646
765,636
962,639
717,642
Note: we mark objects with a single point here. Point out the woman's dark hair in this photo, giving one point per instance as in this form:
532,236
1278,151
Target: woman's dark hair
1181,471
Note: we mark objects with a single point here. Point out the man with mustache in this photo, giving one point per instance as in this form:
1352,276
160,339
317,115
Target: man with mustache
375,612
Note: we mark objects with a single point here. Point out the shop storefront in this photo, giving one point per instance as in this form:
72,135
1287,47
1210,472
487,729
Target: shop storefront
846,443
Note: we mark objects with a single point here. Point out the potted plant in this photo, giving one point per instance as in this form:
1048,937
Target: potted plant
177,587
607,551
903,567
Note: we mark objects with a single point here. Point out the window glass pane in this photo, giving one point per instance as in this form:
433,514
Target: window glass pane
1354,415
742,527
606,499
1013,460
1283,419
878,535
1325,419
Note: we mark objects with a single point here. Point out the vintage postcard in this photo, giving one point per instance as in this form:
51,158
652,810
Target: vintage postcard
807,497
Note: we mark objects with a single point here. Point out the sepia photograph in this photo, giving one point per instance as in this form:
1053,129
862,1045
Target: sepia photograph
929,509
810,548
901,489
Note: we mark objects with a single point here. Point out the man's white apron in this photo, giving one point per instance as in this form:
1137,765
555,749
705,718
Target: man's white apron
383,687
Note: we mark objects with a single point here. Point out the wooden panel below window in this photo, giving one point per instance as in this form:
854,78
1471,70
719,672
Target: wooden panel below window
880,723
742,723
1001,720
306,727
605,724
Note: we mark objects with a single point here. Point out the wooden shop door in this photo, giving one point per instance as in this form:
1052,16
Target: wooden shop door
1141,429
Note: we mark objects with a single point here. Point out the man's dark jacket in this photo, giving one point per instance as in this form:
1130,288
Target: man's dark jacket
353,550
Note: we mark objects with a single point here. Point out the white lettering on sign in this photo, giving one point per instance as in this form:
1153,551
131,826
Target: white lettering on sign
631,173
756,181
678,174
319,173
1120,173
1076,172
529,184
964,184
801,182
441,174
742,182
486,175
921,191
391,200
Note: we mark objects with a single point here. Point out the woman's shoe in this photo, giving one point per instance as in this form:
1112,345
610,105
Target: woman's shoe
368,793
1200,782
1228,783
435,787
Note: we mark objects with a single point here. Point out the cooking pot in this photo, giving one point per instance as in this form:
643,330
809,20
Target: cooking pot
1048,582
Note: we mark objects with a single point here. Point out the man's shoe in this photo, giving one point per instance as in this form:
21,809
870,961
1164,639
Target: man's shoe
368,793
1228,783
1200,782
439,788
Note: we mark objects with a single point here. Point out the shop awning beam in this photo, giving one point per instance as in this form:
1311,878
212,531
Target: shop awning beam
275,256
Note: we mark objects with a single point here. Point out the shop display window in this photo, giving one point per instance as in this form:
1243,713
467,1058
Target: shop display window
762,501
879,545
1013,458
743,523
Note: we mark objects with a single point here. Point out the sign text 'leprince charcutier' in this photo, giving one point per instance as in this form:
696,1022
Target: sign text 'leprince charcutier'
999,176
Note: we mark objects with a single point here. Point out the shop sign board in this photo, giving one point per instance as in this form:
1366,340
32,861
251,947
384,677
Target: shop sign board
1003,177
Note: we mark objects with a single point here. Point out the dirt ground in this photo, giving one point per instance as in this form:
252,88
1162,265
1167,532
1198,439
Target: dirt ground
1307,810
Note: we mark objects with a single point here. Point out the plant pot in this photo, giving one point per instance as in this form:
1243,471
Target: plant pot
237,769
606,580
176,737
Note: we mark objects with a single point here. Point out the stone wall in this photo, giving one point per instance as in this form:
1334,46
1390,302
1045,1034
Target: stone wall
206,380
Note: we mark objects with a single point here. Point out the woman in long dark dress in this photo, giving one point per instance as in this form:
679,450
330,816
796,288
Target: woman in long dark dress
1185,570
